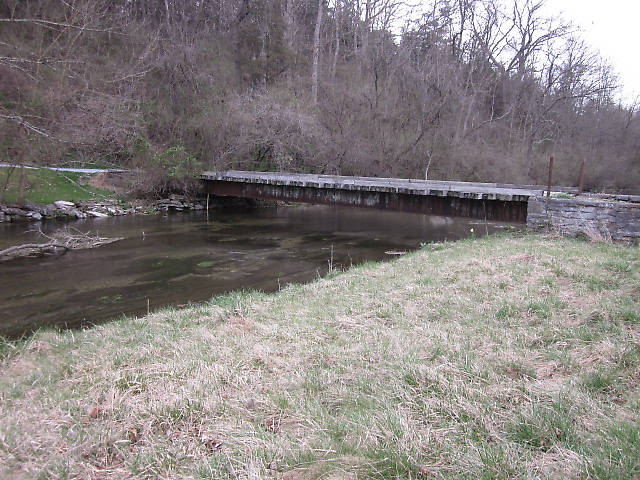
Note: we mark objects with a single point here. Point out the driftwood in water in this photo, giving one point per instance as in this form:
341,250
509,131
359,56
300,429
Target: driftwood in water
60,241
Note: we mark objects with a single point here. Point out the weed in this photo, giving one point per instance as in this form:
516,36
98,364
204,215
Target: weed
495,463
616,456
542,310
630,314
132,382
618,266
600,381
629,357
544,425
180,411
508,311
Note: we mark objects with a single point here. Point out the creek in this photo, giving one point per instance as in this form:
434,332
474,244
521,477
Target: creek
181,258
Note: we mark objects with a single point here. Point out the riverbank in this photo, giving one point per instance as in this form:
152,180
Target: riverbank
37,194
503,357
66,210
42,186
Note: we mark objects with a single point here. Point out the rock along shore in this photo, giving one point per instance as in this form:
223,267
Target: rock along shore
64,210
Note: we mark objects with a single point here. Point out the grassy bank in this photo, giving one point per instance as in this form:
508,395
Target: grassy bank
47,186
505,357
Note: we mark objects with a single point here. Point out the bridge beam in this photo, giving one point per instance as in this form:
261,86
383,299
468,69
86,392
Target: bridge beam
439,203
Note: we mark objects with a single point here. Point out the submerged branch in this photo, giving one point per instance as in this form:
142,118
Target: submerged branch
61,240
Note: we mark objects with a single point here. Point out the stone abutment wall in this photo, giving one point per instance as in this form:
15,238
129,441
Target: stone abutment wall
617,220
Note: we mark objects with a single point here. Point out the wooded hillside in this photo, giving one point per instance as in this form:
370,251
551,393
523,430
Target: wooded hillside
478,90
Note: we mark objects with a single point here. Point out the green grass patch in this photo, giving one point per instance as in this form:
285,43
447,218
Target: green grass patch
47,186
601,381
544,425
616,454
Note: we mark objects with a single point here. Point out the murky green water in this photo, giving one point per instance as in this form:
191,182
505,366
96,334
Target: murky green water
180,258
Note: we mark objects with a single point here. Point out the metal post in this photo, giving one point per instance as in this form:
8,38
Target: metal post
581,181
550,176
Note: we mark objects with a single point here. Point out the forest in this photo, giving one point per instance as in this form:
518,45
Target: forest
473,90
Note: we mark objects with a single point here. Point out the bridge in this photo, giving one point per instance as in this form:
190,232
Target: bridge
487,201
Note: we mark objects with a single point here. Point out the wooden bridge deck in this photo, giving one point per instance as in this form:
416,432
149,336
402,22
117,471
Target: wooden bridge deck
476,200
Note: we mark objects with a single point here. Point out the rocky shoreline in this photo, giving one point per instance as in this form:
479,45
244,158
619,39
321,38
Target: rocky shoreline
64,210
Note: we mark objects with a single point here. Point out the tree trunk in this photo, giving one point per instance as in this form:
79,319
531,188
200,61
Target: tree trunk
336,50
316,54
263,59
289,39
20,198
289,19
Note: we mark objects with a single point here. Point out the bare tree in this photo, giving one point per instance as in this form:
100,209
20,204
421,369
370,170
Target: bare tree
316,53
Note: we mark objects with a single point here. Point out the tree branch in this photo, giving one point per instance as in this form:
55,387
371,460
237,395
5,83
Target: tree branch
45,23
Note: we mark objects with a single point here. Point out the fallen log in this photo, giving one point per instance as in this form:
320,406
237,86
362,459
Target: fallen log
59,241
31,246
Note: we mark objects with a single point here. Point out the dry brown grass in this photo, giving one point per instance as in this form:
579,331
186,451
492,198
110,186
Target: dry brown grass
502,357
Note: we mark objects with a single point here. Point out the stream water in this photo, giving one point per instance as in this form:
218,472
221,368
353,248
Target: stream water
175,259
